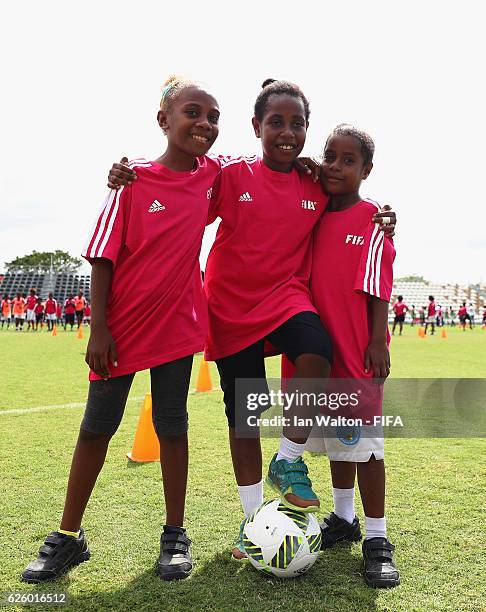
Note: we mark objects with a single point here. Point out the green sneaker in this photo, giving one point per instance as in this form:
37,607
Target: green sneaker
239,551
290,481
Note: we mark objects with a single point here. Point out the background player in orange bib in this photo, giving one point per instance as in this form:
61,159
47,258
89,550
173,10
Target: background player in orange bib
6,311
18,307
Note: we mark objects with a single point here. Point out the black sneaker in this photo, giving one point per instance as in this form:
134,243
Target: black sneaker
379,568
335,529
57,555
175,561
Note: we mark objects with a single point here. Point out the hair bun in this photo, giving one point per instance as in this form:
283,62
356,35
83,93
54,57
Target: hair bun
172,79
267,82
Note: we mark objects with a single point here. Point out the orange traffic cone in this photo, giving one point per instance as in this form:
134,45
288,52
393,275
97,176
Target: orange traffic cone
204,378
443,333
146,445
54,330
79,335
421,332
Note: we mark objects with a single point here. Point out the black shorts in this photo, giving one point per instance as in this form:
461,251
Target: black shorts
399,318
39,316
69,318
79,315
169,387
302,333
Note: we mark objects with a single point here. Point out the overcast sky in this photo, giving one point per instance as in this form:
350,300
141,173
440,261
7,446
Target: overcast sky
81,86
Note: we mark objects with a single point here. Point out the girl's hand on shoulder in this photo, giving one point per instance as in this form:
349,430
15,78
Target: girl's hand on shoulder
387,218
120,174
101,351
307,165
377,358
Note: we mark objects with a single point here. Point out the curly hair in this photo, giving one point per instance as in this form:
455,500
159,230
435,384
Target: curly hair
364,139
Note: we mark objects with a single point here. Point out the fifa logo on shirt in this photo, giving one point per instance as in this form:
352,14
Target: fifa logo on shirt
351,239
309,205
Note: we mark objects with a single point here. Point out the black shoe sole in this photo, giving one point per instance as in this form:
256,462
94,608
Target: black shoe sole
84,556
382,583
173,575
355,538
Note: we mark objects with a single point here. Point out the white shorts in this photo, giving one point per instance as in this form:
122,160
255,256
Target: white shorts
350,444
51,316
30,315
431,319
21,316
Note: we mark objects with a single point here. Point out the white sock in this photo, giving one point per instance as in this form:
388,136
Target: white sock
251,497
289,450
344,503
375,527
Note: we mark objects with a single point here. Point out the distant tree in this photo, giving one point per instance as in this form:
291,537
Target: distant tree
36,261
412,278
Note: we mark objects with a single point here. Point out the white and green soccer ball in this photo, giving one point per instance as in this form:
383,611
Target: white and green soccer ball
281,541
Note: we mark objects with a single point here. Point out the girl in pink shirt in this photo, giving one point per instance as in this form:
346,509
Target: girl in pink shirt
145,243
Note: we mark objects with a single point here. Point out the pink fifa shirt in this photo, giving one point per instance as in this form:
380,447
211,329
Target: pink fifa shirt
31,302
69,306
152,232
352,259
257,273
400,308
51,306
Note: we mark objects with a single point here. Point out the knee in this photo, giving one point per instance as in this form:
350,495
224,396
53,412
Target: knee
312,366
171,426
91,437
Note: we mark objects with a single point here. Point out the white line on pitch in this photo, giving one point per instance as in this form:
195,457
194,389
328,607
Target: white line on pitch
55,407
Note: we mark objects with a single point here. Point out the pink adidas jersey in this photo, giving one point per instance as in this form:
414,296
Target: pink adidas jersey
31,302
257,273
431,309
400,308
352,259
152,232
51,306
69,307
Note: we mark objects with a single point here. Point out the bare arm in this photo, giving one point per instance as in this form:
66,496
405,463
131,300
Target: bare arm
377,355
101,348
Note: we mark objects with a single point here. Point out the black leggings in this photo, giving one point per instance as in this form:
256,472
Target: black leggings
169,386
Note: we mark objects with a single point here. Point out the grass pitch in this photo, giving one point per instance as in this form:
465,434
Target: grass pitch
435,496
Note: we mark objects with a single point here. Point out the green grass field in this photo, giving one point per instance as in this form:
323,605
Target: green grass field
435,506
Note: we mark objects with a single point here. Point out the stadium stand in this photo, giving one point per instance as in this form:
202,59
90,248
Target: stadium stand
447,296
22,282
59,284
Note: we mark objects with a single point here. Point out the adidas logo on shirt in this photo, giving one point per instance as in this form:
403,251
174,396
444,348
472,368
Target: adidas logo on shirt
210,193
156,206
308,205
245,197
